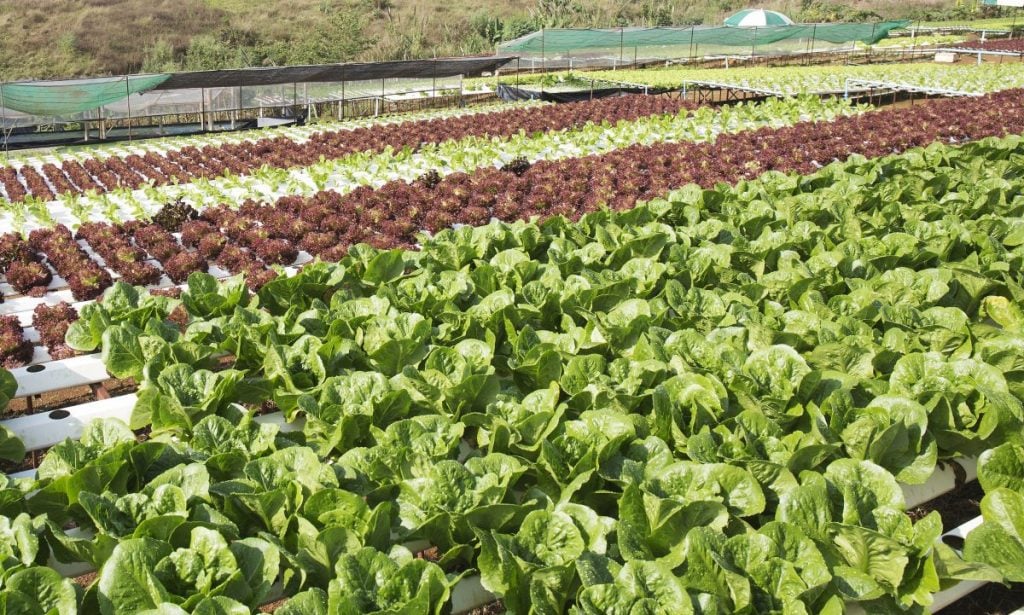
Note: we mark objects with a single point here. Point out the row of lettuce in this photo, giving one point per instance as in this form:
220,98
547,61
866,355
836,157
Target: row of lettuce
705,403
664,122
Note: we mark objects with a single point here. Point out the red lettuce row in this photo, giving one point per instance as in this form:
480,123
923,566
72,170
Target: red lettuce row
22,267
77,174
215,245
37,186
14,190
178,262
115,246
15,350
210,161
59,180
246,240
52,323
1013,45
84,276
392,214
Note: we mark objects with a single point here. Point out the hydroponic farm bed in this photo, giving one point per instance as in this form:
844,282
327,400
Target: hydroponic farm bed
727,374
796,80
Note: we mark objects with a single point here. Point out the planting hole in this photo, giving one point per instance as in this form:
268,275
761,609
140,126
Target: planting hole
33,369
59,414
954,541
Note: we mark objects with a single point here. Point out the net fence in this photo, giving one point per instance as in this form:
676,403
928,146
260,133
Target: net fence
280,91
581,48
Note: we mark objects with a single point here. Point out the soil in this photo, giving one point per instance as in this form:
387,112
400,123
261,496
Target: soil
494,608
85,580
54,400
991,599
956,507
270,607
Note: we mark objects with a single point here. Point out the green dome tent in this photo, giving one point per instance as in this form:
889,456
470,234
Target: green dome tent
758,18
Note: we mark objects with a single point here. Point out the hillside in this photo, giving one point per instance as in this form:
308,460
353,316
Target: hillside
57,38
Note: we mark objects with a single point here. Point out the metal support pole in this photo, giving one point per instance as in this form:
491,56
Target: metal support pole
543,55
202,109
3,120
814,31
621,40
433,78
691,42
753,45
128,99
341,115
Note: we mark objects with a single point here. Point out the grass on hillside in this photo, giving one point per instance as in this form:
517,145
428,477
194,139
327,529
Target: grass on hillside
62,38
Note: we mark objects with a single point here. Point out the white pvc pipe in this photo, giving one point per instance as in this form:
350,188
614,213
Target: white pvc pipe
57,375
469,594
943,480
45,429
961,531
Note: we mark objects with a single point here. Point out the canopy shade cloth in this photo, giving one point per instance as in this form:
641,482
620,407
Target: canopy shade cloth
325,73
73,96
68,97
757,18
559,40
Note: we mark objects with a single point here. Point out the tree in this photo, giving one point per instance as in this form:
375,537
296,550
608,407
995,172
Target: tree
339,38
